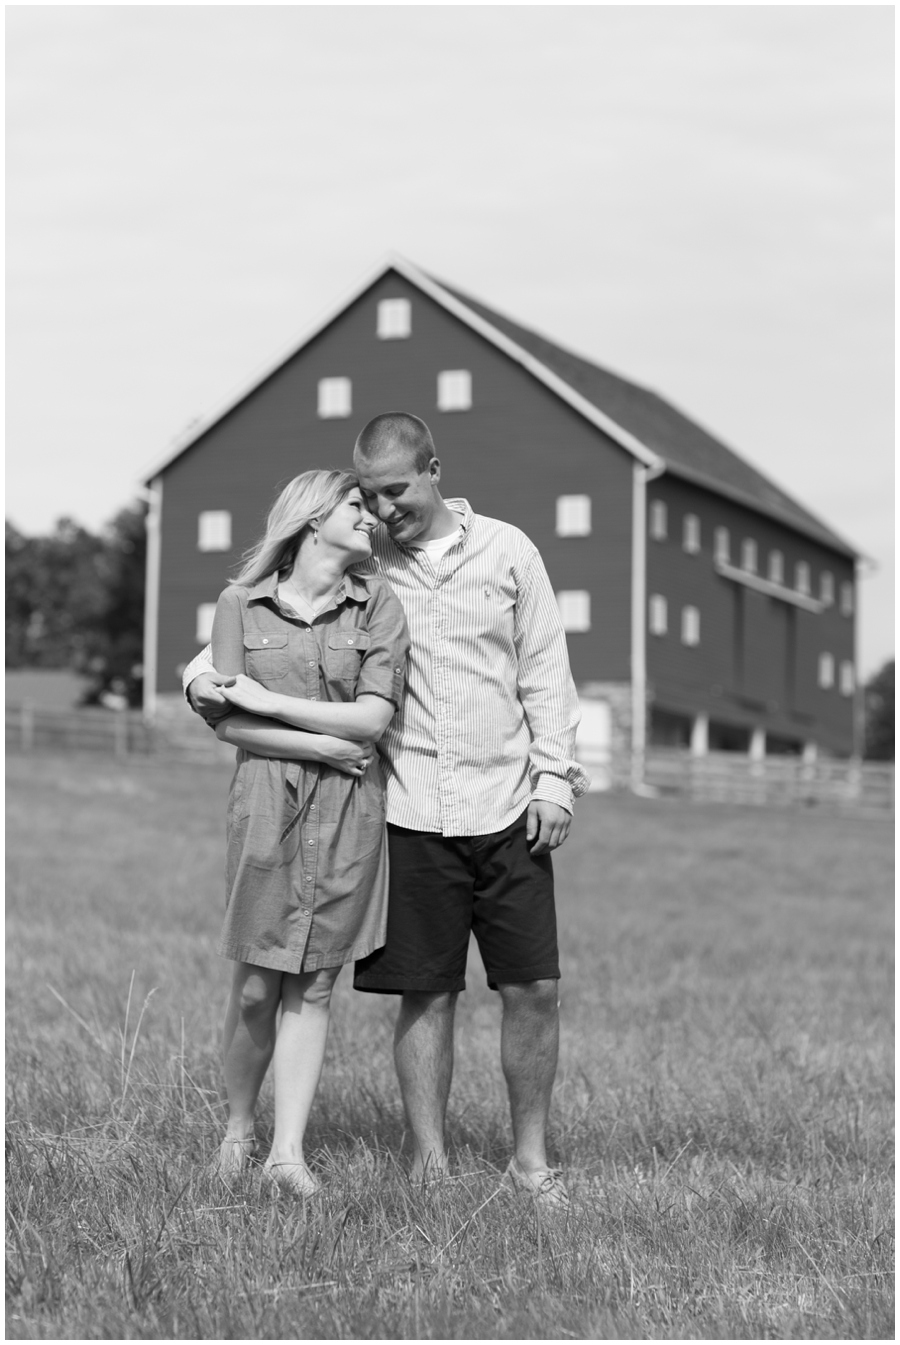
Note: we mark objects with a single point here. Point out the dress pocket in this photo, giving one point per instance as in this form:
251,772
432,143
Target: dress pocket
266,656
344,653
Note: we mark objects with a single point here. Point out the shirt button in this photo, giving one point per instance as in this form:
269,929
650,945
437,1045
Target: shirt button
304,912
265,641
310,842
312,807
312,662
349,641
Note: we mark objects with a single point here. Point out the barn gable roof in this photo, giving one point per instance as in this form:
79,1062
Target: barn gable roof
643,423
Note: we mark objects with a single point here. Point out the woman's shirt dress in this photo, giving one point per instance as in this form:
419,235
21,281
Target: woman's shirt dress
306,866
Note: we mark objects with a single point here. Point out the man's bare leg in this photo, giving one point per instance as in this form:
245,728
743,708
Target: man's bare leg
529,1050
423,1055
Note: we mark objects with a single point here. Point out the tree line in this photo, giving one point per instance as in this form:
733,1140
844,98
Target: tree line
75,600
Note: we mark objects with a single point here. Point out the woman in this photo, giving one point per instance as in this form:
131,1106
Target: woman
318,657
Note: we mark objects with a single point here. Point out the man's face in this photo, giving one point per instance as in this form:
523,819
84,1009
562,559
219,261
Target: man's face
405,500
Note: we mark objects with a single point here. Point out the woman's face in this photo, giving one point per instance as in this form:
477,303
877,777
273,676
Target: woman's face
348,527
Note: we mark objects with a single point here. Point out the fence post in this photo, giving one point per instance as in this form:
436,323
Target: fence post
26,726
120,733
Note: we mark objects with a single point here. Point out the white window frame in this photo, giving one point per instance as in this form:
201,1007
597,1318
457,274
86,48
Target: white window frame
690,534
690,625
206,612
722,545
847,678
846,598
776,567
826,671
658,615
573,516
335,398
659,520
802,577
454,390
574,609
214,530
394,322
749,555
826,588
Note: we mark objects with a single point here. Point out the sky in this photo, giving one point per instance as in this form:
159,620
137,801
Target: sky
699,198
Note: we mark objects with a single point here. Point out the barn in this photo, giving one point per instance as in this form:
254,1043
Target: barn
704,606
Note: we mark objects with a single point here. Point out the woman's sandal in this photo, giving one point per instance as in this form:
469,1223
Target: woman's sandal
234,1157
291,1178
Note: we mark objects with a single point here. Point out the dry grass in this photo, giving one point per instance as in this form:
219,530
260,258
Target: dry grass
724,1107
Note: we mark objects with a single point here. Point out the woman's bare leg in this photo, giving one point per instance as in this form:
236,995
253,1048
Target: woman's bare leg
299,1054
248,1041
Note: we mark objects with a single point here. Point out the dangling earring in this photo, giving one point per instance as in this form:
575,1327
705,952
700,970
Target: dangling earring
315,533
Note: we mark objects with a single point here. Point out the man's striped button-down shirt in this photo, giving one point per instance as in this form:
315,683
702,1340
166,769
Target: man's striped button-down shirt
490,711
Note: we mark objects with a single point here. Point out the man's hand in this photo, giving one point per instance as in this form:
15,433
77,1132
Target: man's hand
205,698
245,694
548,826
351,758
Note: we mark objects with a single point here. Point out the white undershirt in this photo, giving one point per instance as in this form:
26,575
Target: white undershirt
435,549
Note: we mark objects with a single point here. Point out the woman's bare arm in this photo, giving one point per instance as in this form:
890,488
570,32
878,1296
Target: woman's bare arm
272,738
362,720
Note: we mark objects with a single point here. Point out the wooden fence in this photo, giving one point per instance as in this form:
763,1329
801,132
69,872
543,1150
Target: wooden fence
730,777
862,788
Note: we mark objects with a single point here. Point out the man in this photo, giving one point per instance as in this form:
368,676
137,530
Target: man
480,784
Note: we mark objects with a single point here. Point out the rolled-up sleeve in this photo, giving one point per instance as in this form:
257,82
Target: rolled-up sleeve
383,670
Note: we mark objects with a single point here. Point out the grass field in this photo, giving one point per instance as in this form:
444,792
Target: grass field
723,1112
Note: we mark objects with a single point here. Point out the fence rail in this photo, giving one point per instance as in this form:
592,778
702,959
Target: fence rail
865,788
729,777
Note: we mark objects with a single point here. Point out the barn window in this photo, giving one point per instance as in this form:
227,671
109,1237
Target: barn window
776,567
659,615
723,545
690,625
573,515
334,398
574,609
454,390
826,671
846,599
826,589
748,555
394,319
205,614
659,521
214,530
848,678
801,577
691,534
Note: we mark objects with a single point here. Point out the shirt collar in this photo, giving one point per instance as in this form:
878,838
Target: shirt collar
354,586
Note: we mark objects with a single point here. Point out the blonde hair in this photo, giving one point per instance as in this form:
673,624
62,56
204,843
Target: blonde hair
311,495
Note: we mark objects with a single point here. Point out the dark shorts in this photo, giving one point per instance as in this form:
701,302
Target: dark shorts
444,888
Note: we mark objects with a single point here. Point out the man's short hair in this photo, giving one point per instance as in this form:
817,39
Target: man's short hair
396,430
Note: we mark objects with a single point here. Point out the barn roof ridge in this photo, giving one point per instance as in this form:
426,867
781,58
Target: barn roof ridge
645,424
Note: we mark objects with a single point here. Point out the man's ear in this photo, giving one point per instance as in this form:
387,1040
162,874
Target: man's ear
434,469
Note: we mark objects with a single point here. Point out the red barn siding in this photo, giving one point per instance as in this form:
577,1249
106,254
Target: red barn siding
757,661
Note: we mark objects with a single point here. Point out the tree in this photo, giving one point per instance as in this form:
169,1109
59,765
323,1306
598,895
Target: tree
879,701
74,600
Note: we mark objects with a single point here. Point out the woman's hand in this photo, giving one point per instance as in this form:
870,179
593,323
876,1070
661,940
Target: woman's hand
351,758
248,695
